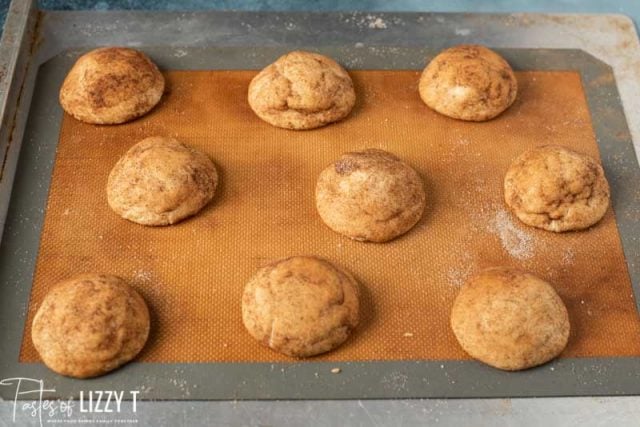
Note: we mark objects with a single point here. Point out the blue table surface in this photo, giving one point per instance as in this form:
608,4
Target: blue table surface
627,7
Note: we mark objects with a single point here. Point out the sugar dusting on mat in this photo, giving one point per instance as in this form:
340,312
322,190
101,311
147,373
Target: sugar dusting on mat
457,276
142,276
516,241
568,256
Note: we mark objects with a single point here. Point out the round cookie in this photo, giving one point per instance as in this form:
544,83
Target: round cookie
468,82
556,189
510,319
370,195
161,181
111,85
89,325
301,306
302,90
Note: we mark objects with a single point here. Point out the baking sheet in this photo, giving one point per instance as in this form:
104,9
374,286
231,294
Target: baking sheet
471,368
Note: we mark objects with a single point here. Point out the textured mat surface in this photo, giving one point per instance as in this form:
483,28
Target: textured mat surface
192,274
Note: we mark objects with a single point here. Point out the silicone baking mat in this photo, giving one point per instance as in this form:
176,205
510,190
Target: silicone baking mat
193,273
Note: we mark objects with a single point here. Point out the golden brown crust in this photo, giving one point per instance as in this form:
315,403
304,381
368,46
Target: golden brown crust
556,189
111,85
468,82
510,319
302,90
301,306
370,195
89,325
161,181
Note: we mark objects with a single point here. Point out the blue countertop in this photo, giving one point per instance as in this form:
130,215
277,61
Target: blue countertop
628,7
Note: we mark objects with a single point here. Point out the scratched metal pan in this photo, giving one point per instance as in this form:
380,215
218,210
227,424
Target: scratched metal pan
43,47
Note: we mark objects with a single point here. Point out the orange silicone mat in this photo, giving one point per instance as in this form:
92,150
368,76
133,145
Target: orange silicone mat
192,274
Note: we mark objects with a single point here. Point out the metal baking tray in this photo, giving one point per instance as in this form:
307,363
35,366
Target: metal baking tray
37,50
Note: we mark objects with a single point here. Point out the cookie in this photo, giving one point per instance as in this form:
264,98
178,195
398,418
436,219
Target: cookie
370,195
302,90
510,319
111,85
89,325
161,181
468,82
556,189
301,306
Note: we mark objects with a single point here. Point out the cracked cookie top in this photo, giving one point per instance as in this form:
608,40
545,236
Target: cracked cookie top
556,189
301,306
161,181
370,195
111,85
510,319
302,90
89,325
468,82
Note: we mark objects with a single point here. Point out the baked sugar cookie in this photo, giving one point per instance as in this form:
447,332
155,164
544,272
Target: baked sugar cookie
301,306
370,195
468,82
90,325
556,189
510,319
111,85
161,181
302,90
